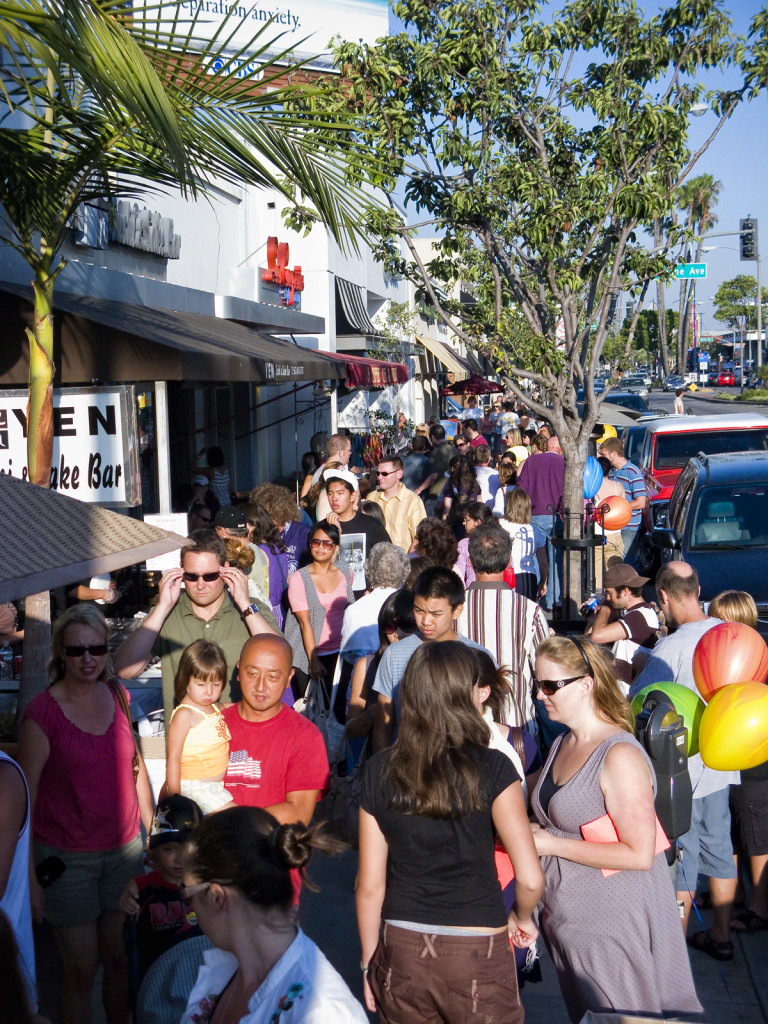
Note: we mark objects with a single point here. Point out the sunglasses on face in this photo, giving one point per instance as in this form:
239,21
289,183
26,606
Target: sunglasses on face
551,686
384,473
206,577
326,545
76,651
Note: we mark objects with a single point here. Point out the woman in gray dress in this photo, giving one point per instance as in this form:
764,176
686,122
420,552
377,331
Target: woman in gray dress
608,914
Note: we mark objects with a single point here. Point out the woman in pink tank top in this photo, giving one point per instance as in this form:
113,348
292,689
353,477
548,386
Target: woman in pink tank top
77,751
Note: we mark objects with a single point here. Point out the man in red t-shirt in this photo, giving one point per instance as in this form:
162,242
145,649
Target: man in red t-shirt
277,759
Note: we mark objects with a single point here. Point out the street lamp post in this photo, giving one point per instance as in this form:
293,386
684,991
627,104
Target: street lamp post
742,321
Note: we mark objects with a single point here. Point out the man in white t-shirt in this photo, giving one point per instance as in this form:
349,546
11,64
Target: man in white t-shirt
626,622
487,476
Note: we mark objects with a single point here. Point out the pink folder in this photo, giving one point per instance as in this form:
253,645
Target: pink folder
602,830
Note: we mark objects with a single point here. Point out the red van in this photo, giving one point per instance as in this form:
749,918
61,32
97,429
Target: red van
670,443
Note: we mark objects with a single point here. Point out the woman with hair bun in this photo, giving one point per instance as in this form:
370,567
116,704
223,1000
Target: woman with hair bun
237,878
609,914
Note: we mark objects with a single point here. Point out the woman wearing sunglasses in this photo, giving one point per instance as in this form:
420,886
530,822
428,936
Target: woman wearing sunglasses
78,754
609,914
318,595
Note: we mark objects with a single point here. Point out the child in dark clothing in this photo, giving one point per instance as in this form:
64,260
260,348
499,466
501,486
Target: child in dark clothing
158,918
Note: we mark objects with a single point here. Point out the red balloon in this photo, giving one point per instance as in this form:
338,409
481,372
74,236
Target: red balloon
618,513
729,653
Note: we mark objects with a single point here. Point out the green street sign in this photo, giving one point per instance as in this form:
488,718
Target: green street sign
684,270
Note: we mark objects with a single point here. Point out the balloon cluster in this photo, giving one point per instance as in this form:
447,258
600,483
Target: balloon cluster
730,665
729,727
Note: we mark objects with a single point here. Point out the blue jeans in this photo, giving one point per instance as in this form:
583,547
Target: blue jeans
552,596
630,537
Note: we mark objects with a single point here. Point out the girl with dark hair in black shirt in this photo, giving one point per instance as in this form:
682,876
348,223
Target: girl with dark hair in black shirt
432,923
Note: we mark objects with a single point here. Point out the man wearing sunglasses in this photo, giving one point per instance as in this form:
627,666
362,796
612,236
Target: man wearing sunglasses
403,509
213,604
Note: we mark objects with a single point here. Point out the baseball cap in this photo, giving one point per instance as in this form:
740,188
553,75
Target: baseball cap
341,474
622,574
231,518
174,819
520,452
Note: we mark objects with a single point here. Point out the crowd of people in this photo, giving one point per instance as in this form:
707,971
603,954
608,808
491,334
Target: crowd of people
488,748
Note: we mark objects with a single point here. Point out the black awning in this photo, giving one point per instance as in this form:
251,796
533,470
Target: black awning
351,313
103,339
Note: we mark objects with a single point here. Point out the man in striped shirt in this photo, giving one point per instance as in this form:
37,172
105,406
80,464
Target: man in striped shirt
510,626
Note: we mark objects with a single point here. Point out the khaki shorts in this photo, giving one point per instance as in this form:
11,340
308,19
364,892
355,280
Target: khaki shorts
92,881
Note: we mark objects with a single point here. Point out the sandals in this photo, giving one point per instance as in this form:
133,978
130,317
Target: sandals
706,944
749,922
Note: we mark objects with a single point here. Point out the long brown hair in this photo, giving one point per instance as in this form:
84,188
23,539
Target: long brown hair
434,766
610,703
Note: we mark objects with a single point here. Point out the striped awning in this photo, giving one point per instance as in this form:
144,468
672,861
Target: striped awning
350,303
445,355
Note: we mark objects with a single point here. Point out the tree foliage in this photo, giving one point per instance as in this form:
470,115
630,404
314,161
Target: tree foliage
536,150
738,298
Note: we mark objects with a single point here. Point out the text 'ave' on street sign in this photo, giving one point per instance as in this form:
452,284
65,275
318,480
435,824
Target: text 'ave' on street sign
683,270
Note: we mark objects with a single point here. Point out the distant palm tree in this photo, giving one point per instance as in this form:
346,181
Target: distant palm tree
695,199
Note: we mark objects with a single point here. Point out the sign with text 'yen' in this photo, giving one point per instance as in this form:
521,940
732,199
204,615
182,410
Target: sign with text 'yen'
690,270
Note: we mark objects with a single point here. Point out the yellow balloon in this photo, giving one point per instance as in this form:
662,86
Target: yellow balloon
733,734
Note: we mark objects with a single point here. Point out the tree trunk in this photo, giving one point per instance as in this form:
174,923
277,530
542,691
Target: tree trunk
661,305
573,566
37,625
41,369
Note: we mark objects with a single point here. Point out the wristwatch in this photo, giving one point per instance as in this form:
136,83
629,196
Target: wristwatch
252,609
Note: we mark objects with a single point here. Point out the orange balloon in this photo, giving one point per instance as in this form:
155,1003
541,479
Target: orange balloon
729,653
618,513
733,734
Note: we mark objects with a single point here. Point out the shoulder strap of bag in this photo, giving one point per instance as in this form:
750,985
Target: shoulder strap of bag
122,700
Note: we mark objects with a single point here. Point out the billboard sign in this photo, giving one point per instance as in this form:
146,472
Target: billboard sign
304,27
95,442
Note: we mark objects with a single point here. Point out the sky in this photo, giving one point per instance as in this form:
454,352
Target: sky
739,159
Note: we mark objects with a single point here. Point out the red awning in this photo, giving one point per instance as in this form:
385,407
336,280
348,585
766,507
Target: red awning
369,373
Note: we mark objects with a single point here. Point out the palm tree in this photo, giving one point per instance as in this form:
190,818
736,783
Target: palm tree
104,102
696,199
123,114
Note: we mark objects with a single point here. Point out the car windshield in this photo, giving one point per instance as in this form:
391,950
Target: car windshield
732,516
674,450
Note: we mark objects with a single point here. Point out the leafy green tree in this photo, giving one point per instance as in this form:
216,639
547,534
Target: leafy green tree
536,146
737,298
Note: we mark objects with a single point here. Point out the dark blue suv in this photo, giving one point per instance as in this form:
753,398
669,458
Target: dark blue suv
718,522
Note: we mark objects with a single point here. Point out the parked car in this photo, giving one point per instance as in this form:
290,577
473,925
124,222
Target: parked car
718,523
725,379
674,381
635,384
633,436
712,378
669,444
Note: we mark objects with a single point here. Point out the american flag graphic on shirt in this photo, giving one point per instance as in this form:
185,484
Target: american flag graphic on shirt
243,770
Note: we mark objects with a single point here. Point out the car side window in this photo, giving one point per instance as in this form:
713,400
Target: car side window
681,511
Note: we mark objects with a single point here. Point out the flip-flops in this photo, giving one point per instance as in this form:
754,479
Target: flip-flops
749,921
706,944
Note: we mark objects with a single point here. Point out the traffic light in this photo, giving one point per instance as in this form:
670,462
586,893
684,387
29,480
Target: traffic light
748,238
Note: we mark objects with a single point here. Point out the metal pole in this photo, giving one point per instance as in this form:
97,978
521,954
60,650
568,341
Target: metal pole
163,446
759,316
